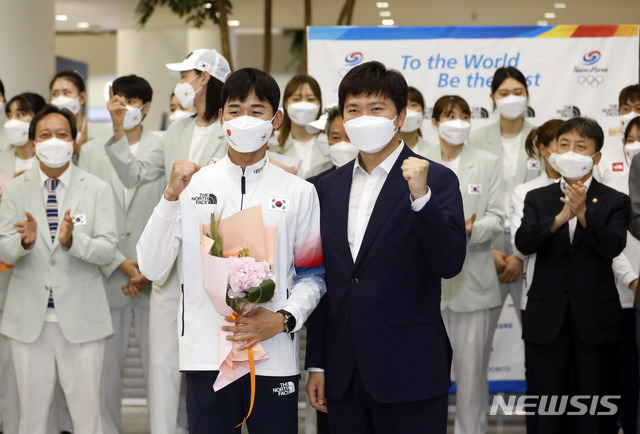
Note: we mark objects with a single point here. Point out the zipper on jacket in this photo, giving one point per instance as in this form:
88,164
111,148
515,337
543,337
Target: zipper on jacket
243,189
182,290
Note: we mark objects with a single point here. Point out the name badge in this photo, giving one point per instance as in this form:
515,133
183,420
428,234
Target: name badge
279,204
79,219
533,165
617,167
474,188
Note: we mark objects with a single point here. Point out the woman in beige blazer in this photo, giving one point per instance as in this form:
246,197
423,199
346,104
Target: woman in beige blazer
468,297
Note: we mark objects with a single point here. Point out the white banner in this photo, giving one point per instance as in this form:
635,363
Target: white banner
570,70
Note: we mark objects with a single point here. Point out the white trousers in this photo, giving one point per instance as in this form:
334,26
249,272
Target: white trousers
77,366
9,406
468,333
114,360
164,374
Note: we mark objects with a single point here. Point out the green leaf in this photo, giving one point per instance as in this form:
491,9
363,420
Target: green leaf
194,12
261,293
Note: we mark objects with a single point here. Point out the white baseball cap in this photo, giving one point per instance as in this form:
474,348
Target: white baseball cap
203,60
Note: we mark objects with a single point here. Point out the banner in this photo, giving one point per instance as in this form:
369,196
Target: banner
570,71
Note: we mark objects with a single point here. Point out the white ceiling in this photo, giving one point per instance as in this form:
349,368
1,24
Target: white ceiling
108,15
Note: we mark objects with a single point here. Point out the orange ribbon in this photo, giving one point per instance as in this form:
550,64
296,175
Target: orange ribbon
5,266
252,368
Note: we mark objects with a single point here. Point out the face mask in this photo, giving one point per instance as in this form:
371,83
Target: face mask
247,134
180,114
341,153
71,104
454,132
574,166
512,106
185,93
132,118
301,113
631,150
552,161
17,132
412,121
54,152
625,119
370,133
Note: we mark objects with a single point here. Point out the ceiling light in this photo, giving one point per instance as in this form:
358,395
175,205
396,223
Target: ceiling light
388,22
559,5
207,5
83,25
382,5
61,18
549,15
384,13
542,23
233,23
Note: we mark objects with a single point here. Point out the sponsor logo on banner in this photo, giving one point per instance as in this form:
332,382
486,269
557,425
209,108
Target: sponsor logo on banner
479,113
350,60
568,111
588,75
617,167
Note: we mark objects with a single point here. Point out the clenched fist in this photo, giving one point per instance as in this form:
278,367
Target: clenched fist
415,171
180,176
117,107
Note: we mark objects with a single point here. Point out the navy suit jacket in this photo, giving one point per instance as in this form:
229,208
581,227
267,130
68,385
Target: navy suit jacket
574,274
383,311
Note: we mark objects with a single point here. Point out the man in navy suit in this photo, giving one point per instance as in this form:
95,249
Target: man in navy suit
392,226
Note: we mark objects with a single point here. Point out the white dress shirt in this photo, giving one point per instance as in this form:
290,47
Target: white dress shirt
61,192
574,221
365,189
511,152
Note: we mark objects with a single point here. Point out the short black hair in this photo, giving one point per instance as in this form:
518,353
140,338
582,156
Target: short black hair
332,114
239,85
213,101
27,102
585,127
132,86
71,76
47,110
373,78
629,94
2,89
635,122
505,72
445,105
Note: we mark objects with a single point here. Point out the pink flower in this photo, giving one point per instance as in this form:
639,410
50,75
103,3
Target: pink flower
246,273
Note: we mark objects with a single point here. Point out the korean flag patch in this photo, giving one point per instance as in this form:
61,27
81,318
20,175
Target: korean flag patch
533,164
79,219
474,188
276,204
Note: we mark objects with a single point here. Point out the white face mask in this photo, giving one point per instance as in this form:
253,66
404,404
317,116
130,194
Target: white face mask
552,161
574,166
185,93
132,118
454,132
631,150
71,104
179,114
412,122
370,133
17,132
512,106
54,152
625,119
247,134
341,153
301,113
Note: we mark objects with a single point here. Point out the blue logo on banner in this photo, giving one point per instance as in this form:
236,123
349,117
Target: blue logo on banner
354,58
591,58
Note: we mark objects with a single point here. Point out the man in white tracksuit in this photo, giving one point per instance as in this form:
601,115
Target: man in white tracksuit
243,178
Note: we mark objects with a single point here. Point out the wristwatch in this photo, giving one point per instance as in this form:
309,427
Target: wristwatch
289,320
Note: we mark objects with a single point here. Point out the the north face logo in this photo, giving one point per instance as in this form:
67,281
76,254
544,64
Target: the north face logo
205,199
285,389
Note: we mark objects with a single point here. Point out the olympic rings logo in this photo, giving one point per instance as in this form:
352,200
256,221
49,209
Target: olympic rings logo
590,80
591,58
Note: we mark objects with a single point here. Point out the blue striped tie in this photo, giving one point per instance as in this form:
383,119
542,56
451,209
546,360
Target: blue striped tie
52,217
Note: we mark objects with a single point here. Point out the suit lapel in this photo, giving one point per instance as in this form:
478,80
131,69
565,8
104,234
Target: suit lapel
73,196
35,203
395,187
339,195
592,193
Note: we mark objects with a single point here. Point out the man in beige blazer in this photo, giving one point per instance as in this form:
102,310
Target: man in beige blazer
128,290
198,139
57,225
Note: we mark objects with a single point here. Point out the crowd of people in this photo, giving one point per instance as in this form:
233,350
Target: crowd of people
396,254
